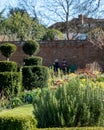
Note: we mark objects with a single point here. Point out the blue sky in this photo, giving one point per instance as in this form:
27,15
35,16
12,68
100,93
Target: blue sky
13,3
6,3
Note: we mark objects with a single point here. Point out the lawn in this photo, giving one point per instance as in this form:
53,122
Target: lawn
23,110
28,109
75,128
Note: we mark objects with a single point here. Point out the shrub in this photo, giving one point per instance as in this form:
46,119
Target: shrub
30,47
8,66
70,105
9,83
28,96
7,49
33,61
53,34
14,102
35,76
17,122
100,78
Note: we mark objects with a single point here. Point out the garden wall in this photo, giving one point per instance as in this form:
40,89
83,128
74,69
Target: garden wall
81,53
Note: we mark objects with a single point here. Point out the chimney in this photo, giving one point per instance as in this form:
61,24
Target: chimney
81,18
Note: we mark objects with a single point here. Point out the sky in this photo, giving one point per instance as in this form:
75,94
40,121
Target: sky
6,3
13,3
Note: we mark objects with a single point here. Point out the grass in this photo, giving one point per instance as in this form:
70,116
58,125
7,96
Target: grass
28,110
23,110
75,128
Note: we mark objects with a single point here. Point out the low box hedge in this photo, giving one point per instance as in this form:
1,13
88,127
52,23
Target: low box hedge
17,122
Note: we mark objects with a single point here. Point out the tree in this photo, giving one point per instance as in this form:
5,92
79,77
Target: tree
30,7
62,11
53,34
96,37
1,20
19,25
30,47
7,49
95,26
90,7
65,10
35,9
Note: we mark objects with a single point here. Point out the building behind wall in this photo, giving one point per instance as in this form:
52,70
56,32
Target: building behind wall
78,27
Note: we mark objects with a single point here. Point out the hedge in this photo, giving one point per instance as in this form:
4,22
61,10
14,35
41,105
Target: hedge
9,82
17,122
8,66
8,49
34,60
35,76
30,47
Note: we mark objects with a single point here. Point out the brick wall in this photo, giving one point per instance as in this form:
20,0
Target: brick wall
81,53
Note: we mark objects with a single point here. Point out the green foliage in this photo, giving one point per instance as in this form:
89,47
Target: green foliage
1,20
30,47
74,128
8,66
9,83
53,34
70,105
7,49
19,25
28,96
100,78
11,102
35,76
14,102
17,122
34,60
20,118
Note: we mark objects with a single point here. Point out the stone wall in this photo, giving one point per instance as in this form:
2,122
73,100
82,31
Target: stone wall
81,53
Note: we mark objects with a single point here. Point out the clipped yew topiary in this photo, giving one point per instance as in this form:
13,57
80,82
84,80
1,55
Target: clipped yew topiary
8,66
7,49
10,79
30,47
34,60
35,76
10,83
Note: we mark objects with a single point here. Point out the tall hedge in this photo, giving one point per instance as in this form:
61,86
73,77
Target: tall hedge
35,76
8,66
9,83
34,60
